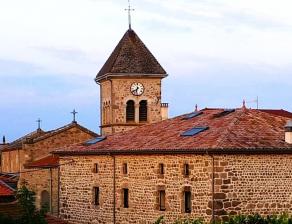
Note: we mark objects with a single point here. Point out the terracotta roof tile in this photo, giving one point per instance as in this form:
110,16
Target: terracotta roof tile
283,113
5,190
131,56
47,162
242,129
39,135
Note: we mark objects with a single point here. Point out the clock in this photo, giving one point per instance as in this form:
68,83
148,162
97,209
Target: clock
137,89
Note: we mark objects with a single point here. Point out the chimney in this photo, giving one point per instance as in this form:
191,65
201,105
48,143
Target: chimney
288,132
164,111
4,140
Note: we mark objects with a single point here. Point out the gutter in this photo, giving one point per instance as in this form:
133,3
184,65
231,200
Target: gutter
214,151
114,188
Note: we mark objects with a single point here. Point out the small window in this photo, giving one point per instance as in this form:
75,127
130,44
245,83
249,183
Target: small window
126,197
96,195
95,168
130,111
186,169
143,111
161,168
125,168
188,201
162,200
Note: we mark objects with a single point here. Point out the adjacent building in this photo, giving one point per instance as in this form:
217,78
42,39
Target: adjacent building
209,164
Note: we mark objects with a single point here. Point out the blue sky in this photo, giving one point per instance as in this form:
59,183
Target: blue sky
216,53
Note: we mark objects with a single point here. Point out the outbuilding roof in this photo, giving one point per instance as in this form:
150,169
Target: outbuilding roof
131,56
40,135
223,131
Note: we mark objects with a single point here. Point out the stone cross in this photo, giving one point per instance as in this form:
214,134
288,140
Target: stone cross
74,112
39,121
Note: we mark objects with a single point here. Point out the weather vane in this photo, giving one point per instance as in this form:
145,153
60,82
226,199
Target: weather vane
129,9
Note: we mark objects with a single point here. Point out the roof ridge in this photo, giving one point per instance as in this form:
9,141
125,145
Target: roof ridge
226,133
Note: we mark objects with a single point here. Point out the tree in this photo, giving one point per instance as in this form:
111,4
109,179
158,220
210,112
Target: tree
31,215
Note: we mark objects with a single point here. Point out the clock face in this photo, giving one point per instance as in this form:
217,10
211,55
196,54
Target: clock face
137,89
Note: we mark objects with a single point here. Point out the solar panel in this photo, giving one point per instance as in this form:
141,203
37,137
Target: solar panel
224,113
193,114
95,140
194,131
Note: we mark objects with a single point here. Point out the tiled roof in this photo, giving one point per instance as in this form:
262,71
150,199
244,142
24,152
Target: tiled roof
131,56
39,135
17,144
62,129
243,130
281,112
47,162
5,190
10,179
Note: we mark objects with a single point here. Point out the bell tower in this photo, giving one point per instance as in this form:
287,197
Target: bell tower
130,87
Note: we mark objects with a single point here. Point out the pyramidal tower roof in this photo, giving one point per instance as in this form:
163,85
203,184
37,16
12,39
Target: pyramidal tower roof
131,57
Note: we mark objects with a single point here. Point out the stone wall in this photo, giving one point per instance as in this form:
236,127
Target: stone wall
243,184
65,138
143,181
39,181
11,161
116,93
253,184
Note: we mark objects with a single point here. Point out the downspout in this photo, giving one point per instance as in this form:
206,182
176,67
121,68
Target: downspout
58,190
213,189
114,189
100,108
51,190
213,186
111,106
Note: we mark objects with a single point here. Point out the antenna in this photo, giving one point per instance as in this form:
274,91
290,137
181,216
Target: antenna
129,9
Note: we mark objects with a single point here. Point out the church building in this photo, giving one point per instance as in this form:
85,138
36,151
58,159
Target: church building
130,87
206,164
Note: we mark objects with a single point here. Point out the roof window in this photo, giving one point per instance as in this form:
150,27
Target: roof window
194,131
192,115
224,113
95,140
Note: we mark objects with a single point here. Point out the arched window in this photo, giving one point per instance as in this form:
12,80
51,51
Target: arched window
130,111
143,110
45,199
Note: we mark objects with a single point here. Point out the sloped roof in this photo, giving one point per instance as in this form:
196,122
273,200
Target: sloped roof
62,129
5,190
47,162
131,56
40,135
17,144
243,130
281,112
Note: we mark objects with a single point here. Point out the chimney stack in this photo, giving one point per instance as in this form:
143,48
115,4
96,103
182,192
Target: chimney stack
288,132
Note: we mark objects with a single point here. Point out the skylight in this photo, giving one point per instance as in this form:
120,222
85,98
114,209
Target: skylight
224,113
194,131
95,140
192,115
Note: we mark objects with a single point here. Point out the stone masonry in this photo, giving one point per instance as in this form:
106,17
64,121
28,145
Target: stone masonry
114,95
243,184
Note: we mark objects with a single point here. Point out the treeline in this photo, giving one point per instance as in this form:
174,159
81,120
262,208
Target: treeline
239,219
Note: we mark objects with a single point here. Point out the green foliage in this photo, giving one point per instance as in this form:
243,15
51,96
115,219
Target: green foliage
31,215
189,221
160,220
240,219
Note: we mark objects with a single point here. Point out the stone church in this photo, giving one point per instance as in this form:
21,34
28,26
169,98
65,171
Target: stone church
209,163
